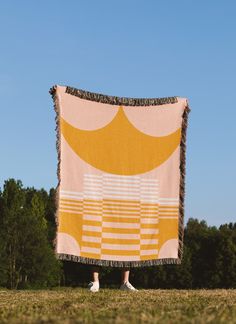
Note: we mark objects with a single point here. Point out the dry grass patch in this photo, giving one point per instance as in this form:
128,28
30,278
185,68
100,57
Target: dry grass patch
77,305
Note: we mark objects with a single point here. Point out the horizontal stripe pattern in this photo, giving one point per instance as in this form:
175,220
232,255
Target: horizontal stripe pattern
120,216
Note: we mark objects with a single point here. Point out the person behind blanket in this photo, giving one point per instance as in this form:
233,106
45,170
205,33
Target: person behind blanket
93,286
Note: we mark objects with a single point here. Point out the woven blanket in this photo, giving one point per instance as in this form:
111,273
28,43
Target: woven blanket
121,178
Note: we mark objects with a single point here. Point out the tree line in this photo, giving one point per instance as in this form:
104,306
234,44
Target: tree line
27,259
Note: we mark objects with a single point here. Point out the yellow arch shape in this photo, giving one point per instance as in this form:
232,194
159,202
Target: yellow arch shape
119,147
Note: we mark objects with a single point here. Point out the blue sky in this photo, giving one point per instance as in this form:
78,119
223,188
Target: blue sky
124,48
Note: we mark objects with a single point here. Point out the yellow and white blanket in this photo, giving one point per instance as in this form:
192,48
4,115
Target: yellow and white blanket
121,178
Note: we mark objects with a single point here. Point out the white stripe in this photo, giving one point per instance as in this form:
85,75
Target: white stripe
90,249
121,184
86,238
120,191
149,200
147,241
122,235
149,189
69,211
120,246
120,257
71,207
120,225
149,230
150,180
123,216
169,199
88,196
122,209
88,175
95,181
167,204
168,209
91,217
149,221
148,196
73,193
128,181
168,217
92,228
111,176
93,203
148,252
93,208
172,212
91,186
111,211
71,197
121,197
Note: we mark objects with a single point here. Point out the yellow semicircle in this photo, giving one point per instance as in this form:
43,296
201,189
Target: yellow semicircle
119,147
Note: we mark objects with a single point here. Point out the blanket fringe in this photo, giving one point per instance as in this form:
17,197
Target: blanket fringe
55,98
114,263
130,102
124,101
182,179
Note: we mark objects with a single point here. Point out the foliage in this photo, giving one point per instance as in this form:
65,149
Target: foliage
26,256
27,259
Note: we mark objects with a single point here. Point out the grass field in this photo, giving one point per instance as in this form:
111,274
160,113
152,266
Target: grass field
77,305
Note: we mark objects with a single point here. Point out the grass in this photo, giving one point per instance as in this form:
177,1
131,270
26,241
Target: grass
77,305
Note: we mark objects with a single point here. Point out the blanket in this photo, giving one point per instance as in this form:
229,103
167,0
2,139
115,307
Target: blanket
121,178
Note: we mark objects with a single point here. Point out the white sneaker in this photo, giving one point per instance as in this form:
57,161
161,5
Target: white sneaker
93,286
127,286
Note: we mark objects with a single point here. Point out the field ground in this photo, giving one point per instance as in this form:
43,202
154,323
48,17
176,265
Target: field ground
77,305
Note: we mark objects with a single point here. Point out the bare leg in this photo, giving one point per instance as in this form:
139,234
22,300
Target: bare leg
95,273
125,275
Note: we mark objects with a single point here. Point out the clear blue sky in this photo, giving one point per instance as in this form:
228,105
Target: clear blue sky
124,48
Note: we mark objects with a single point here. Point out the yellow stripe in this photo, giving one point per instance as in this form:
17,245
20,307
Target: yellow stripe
91,244
148,247
93,200
120,252
120,220
69,211
98,205
79,202
119,241
148,204
148,257
94,213
118,214
91,222
121,209
149,236
168,207
120,230
149,208
93,234
151,217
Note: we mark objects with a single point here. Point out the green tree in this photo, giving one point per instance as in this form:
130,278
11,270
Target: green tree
25,252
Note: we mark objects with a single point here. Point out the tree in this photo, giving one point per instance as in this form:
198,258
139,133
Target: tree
25,252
